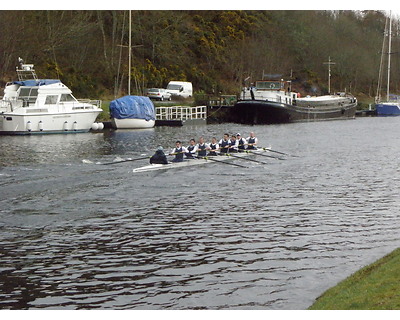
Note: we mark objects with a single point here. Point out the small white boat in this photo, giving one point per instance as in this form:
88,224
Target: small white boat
31,105
199,161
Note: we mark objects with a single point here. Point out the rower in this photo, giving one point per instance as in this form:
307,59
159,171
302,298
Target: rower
252,142
242,142
178,152
201,148
224,143
190,149
213,146
159,157
233,145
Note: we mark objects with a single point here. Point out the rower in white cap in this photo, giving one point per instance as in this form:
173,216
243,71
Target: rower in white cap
241,142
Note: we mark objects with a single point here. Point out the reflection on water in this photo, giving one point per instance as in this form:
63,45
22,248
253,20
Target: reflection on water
77,235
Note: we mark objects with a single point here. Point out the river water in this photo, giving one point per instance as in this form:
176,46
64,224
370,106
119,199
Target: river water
75,234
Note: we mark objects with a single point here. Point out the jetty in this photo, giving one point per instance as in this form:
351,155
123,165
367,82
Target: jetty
180,115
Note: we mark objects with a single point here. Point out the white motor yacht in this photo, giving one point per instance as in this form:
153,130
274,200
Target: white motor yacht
31,105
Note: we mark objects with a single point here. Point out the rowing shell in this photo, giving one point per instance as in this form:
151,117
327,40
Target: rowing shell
195,162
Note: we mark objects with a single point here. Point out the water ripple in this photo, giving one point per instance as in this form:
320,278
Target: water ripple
85,236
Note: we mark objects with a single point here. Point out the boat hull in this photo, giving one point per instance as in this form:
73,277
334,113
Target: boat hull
196,162
40,123
132,123
387,109
270,112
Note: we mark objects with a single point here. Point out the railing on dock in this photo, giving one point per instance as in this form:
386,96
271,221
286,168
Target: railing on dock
181,113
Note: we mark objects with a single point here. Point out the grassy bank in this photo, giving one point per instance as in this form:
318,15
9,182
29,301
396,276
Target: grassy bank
375,287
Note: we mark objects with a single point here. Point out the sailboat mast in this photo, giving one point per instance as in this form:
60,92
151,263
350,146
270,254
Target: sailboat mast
389,53
329,63
130,52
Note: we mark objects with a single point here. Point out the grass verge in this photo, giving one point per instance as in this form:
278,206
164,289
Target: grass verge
374,287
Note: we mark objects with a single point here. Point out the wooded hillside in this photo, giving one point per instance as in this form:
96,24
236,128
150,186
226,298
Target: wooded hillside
215,50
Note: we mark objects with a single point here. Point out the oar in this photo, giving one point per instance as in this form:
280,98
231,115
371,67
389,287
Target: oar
126,160
235,156
264,155
286,154
221,161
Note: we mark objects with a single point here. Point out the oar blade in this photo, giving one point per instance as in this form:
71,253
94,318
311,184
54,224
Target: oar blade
247,159
279,152
221,161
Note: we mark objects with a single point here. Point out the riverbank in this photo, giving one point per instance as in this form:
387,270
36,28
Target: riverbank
374,287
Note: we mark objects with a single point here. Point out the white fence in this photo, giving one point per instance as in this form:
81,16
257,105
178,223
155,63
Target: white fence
181,113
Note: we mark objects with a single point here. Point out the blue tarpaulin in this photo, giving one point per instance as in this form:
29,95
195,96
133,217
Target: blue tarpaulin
133,107
36,83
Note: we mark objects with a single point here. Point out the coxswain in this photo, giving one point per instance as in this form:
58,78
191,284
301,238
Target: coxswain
213,147
233,144
252,141
190,154
201,148
159,157
224,143
241,142
178,152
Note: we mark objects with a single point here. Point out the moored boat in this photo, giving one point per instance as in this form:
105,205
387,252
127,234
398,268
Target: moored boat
35,106
272,101
132,112
390,107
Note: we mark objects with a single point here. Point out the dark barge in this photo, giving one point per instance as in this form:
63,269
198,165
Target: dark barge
271,101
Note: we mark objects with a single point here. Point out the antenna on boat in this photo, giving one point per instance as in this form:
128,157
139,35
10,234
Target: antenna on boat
329,63
25,71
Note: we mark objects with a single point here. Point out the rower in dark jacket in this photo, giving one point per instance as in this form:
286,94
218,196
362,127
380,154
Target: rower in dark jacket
159,157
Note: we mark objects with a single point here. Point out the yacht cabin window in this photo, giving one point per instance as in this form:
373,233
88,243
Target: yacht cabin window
28,93
67,98
51,99
269,85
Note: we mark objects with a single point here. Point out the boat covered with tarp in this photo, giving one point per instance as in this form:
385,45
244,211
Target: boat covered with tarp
132,112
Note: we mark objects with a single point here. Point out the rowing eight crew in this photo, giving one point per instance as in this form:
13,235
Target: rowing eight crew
226,145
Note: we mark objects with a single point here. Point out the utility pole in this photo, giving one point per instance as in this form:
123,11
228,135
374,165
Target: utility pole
329,63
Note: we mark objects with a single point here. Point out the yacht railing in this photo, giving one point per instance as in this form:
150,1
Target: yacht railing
96,103
9,105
